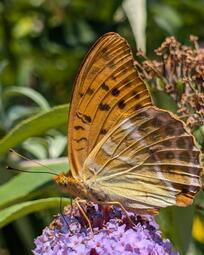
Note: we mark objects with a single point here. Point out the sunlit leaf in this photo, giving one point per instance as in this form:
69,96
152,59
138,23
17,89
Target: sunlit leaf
34,126
30,93
164,101
167,18
176,224
37,146
199,134
19,210
26,184
20,112
57,145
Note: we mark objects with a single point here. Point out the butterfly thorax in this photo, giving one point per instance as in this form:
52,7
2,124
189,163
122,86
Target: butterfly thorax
72,185
95,193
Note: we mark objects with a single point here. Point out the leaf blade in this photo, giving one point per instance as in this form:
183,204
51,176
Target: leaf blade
22,209
30,93
24,184
53,118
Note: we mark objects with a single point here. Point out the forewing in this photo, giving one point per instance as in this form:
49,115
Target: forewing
148,160
107,90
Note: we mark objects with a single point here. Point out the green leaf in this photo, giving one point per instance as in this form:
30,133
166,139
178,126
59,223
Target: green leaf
28,92
57,145
19,210
137,20
176,224
19,112
164,101
33,126
24,185
167,18
3,64
37,146
199,134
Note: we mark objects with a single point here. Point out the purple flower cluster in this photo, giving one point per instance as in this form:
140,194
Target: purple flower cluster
113,234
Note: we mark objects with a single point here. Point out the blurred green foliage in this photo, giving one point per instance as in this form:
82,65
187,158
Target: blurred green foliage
42,44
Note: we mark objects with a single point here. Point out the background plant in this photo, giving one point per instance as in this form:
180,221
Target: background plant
42,44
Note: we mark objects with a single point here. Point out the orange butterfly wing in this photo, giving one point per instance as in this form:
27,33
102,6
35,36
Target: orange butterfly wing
148,160
107,90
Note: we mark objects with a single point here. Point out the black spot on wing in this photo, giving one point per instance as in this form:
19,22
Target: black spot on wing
80,139
136,95
138,106
104,107
90,91
105,87
84,118
103,131
121,104
80,149
115,92
87,118
79,128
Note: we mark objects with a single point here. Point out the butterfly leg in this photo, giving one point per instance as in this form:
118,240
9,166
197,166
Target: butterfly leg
71,205
78,201
122,208
64,218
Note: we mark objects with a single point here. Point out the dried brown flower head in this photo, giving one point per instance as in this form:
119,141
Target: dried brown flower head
179,71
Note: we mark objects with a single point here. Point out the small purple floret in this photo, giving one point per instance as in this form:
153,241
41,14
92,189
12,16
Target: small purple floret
113,234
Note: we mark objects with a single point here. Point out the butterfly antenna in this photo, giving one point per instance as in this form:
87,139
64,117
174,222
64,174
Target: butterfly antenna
29,159
26,171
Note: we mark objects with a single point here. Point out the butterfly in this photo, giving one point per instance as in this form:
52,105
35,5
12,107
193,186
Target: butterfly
120,146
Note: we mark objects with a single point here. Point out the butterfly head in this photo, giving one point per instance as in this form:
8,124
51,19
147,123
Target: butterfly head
73,186
61,179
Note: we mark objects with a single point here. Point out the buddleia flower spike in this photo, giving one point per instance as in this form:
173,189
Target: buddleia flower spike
113,234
